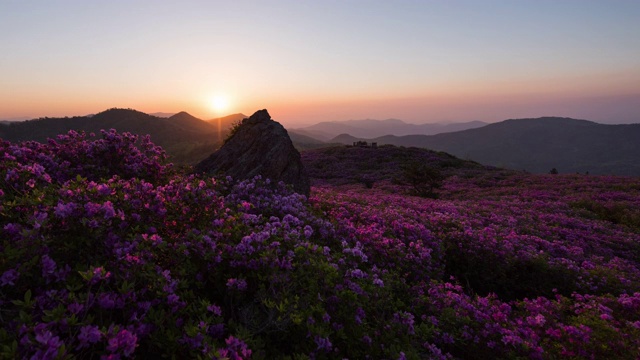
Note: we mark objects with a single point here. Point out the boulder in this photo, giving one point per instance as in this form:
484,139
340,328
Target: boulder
259,146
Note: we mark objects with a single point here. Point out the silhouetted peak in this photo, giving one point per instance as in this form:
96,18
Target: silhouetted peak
259,146
182,115
119,113
259,116
557,120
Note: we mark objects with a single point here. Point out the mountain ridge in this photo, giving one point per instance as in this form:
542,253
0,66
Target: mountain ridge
327,130
182,135
536,145
186,138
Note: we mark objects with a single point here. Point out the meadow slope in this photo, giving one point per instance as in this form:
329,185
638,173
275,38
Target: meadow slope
108,252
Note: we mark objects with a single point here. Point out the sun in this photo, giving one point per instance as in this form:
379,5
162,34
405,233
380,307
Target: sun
219,104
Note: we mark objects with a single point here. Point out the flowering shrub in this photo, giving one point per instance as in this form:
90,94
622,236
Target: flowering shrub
76,154
108,253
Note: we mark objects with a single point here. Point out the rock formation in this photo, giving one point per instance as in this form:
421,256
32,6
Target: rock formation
259,146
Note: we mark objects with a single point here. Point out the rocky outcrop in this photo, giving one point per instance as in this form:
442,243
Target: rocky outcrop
259,146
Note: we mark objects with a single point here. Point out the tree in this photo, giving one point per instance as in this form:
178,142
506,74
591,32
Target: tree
553,171
367,180
422,178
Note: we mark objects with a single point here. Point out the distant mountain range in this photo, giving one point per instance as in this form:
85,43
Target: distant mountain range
370,128
162,114
185,138
536,145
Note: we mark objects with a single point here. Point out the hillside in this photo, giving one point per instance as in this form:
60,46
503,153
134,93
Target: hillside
227,121
538,145
370,128
110,252
341,165
185,138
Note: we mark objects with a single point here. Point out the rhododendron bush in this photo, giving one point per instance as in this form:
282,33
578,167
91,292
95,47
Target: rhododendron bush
108,252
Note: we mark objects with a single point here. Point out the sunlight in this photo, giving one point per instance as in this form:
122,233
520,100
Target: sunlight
219,104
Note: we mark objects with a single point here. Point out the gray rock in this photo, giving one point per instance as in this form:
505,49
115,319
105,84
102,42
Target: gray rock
259,146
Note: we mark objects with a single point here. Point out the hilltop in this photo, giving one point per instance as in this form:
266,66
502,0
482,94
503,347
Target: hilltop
536,145
186,138
108,251
343,165
370,128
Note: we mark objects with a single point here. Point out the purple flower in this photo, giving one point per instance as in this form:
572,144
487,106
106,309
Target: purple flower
109,211
215,310
172,299
326,317
358,274
240,284
48,266
8,277
99,273
51,343
124,341
308,231
323,343
12,229
405,318
103,189
75,308
91,208
236,349
89,334
39,219
63,210
367,340
360,315
107,301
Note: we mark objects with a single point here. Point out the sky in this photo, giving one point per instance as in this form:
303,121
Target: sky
311,61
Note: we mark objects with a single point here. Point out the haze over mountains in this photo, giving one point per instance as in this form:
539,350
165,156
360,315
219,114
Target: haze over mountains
535,145
370,128
186,138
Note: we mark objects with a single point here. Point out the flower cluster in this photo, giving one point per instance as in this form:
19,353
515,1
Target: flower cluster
132,260
76,154
517,265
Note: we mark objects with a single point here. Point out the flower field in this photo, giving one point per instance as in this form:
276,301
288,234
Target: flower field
108,252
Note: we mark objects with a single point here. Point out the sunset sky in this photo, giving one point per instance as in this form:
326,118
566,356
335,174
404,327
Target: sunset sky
311,61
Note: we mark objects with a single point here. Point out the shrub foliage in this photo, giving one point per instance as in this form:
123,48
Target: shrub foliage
109,253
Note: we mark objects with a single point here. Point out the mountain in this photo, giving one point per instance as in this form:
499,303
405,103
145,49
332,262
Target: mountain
537,145
191,123
343,165
185,138
345,139
370,128
14,119
229,119
304,142
162,114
